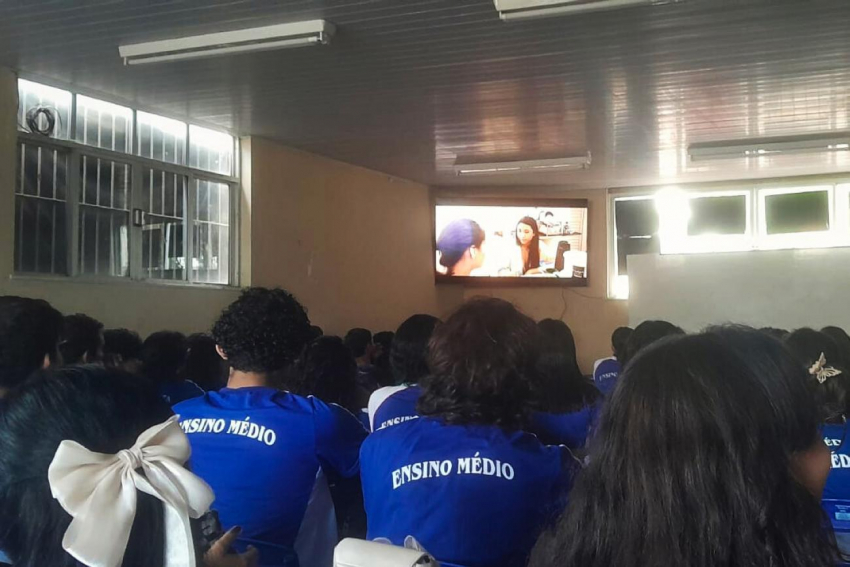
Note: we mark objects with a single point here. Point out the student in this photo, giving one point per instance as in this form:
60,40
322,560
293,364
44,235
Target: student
62,437
647,333
607,370
163,359
83,340
204,367
461,247
841,339
30,331
566,401
383,343
264,451
122,349
359,341
463,480
704,455
409,364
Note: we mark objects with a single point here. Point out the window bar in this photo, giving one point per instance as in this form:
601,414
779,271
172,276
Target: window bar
53,239
99,129
114,136
85,125
55,172
209,230
72,130
38,173
149,231
37,231
23,167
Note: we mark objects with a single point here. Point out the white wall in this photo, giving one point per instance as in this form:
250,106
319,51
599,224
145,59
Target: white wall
778,288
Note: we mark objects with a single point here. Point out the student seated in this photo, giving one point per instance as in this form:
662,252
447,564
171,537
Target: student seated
842,341
409,364
463,479
204,367
359,341
74,440
828,378
707,454
607,370
122,349
30,330
566,401
163,360
645,334
264,451
82,341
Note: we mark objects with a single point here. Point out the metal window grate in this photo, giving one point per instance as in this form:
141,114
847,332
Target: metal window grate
211,233
104,217
163,230
103,125
40,201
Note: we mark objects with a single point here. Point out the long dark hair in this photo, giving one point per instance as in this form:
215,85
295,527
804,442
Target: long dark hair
690,466
103,410
833,394
328,370
455,239
842,339
533,260
564,387
409,351
645,334
483,362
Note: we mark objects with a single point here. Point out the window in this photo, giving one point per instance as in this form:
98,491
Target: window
104,125
711,221
40,196
108,193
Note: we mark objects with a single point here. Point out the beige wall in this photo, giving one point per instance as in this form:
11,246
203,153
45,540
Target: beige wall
591,316
142,307
353,245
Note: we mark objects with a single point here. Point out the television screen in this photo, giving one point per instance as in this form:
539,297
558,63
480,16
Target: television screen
517,240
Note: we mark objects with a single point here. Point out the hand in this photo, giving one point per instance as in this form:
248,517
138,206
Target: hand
218,555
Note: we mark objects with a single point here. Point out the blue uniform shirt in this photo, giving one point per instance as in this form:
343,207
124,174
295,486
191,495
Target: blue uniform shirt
263,452
605,374
176,392
470,495
836,493
392,405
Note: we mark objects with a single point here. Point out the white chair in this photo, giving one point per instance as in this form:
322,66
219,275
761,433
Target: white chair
359,553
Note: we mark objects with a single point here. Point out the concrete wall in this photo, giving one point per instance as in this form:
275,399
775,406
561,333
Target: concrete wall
142,307
352,244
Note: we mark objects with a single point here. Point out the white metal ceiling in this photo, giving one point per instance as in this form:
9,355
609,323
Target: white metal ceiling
409,85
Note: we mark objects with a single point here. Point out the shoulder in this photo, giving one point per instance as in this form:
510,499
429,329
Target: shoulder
191,406
601,362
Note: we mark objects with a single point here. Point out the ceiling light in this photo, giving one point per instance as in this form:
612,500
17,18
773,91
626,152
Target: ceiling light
510,10
265,38
536,165
763,147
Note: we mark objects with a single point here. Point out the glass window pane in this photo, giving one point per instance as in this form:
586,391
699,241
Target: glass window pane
210,150
718,215
104,217
637,229
103,124
45,110
40,228
797,212
161,138
211,233
163,238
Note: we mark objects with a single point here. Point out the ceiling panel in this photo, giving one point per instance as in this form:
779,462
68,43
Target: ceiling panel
407,86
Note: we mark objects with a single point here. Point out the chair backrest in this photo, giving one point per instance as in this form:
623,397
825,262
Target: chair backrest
839,514
359,553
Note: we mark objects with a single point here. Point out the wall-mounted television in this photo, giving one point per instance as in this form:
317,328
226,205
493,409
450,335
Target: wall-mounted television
528,241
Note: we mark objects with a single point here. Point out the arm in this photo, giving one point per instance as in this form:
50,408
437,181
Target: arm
338,438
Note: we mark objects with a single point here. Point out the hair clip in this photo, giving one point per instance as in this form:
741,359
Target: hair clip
821,371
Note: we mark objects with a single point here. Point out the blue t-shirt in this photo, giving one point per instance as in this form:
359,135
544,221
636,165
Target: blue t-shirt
393,405
605,374
570,429
836,493
470,495
176,392
263,452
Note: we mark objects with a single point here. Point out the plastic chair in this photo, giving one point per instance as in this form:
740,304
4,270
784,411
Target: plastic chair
360,553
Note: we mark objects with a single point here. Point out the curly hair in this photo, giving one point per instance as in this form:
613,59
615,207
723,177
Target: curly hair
483,366
83,339
263,331
30,329
409,351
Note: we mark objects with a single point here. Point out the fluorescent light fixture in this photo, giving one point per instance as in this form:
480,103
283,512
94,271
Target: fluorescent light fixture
764,147
314,32
510,10
536,165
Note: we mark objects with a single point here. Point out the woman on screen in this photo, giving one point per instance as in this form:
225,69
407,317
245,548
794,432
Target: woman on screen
527,262
461,247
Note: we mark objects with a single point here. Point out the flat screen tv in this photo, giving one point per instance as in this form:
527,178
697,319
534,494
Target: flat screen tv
528,241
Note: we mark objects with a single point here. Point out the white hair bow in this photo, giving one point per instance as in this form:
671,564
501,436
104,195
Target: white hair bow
99,492
821,371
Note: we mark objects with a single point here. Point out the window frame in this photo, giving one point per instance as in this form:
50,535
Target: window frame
137,164
838,187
